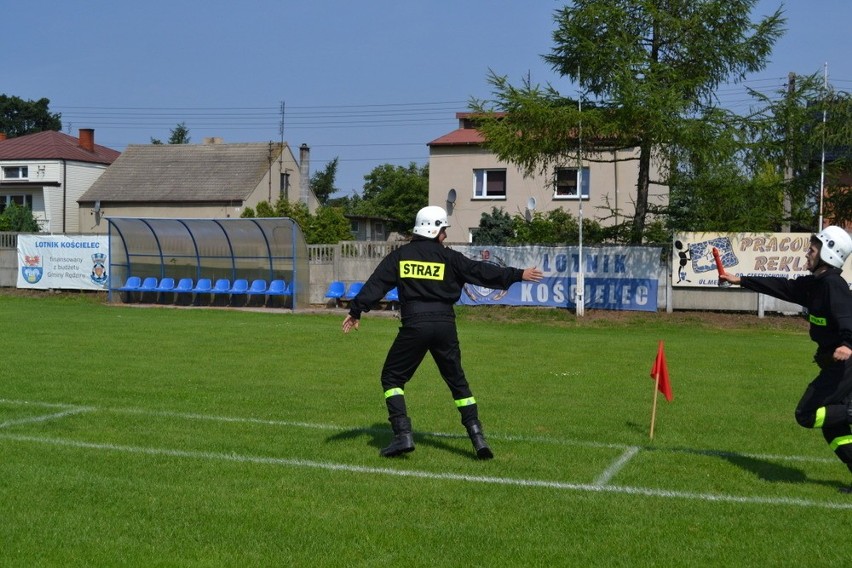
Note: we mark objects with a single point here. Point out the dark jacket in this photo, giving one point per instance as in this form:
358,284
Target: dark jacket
826,297
429,278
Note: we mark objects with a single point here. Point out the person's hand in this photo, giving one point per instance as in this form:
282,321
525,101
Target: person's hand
731,278
842,353
532,274
350,323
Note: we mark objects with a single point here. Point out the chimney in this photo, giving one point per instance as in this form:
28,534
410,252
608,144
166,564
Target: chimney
2,136
304,172
87,139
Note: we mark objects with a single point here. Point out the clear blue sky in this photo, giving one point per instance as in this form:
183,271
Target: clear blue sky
370,82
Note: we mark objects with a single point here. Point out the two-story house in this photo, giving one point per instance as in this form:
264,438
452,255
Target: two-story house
48,171
212,180
468,180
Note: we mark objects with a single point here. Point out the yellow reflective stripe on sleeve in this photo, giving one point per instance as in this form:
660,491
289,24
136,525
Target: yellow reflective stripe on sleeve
393,392
817,320
820,417
421,270
465,402
840,441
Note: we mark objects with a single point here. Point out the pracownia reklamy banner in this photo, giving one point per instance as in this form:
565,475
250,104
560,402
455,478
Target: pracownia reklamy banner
743,254
615,278
63,262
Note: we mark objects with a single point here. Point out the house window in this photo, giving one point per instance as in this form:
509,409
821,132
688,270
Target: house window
489,184
566,183
20,200
15,172
379,231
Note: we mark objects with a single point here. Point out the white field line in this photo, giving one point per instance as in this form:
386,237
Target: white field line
330,466
45,417
601,484
491,436
617,465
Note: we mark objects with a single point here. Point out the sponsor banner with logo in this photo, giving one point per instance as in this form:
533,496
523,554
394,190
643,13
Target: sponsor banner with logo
63,262
615,278
743,254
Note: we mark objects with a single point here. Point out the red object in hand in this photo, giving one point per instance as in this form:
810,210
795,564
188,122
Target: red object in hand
718,259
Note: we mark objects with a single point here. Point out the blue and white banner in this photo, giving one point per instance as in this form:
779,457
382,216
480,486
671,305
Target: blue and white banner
63,262
615,278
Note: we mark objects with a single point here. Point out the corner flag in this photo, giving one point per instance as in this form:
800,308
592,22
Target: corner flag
660,373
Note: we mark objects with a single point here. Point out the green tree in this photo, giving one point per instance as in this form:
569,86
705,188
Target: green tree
322,182
762,171
394,192
19,117
19,219
787,133
495,228
179,135
646,69
327,226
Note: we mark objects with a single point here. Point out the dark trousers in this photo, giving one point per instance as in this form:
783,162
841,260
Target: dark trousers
413,341
825,405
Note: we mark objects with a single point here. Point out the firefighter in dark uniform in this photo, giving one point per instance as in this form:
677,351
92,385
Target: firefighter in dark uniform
827,402
429,278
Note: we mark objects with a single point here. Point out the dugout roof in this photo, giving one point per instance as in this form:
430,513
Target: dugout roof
267,248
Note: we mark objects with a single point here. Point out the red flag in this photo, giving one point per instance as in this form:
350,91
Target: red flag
660,373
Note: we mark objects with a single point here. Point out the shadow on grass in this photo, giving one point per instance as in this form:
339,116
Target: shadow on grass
379,435
762,468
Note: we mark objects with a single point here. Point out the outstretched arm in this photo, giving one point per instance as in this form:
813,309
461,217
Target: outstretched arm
532,274
727,277
350,323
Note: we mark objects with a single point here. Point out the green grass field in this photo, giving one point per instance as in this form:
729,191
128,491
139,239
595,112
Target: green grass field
215,437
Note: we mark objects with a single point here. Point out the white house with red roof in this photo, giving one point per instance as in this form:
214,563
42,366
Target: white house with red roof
468,180
48,171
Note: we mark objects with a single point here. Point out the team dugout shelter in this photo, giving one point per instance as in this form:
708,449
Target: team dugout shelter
269,248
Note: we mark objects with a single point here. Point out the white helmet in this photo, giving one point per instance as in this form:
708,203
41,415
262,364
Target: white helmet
836,245
429,221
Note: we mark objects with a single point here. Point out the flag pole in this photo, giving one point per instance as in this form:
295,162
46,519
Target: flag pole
654,407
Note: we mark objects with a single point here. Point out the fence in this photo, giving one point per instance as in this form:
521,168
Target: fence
355,261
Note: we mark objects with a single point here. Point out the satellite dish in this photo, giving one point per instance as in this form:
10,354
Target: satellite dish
451,196
531,203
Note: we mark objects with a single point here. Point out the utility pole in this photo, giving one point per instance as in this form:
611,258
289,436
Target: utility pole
822,158
788,169
579,296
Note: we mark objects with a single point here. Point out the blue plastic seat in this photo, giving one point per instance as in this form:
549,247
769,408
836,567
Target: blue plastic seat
277,288
392,298
240,287
131,285
353,290
184,285
335,291
258,287
204,286
166,285
183,291
222,286
148,285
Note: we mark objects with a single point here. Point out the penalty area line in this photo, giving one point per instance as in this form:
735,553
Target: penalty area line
617,466
45,417
507,481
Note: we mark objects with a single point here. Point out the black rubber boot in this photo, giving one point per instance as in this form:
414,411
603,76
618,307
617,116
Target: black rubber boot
477,437
403,439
